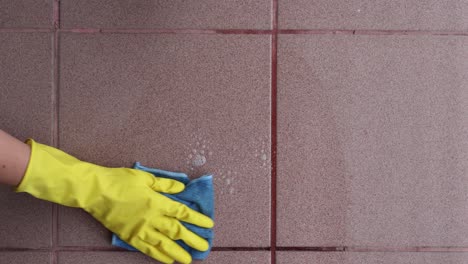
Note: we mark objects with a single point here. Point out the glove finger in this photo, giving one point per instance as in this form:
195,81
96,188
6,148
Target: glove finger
166,246
152,251
165,185
175,230
184,213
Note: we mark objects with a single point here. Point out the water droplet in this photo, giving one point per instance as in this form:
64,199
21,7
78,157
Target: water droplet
264,156
194,151
256,155
202,151
198,160
228,181
231,190
229,172
198,143
190,156
210,153
262,151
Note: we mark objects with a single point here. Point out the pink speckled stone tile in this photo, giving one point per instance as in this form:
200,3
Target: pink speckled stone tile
78,228
372,142
25,111
381,14
22,257
207,14
26,13
192,103
372,257
218,257
26,87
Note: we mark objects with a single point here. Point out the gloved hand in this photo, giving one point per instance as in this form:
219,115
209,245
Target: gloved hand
126,201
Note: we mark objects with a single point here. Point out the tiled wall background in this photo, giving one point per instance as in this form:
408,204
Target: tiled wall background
338,126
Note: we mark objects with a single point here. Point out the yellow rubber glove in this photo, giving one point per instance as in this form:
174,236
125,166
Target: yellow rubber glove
126,201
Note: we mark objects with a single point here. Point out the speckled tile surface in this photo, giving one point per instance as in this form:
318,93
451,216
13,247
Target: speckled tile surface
379,15
372,141
371,257
326,124
212,14
20,257
25,111
26,85
26,13
196,113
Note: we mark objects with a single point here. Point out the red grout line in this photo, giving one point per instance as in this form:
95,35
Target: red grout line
239,31
371,32
168,31
240,249
98,248
55,126
316,32
411,32
274,111
310,248
407,249
90,248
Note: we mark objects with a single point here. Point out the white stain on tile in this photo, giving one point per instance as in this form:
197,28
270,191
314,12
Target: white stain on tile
199,152
225,181
261,152
198,160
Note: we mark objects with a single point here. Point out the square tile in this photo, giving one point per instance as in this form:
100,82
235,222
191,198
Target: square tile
208,14
21,257
381,14
217,257
192,103
372,142
25,111
25,93
26,13
372,257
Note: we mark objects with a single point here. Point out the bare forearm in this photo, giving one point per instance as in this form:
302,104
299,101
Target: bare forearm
14,158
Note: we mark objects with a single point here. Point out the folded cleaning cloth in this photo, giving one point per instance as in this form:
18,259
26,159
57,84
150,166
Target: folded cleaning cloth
198,195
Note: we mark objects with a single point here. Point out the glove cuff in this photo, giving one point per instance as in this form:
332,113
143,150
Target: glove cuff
50,176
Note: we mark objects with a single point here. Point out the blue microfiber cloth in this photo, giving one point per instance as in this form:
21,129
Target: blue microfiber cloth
198,195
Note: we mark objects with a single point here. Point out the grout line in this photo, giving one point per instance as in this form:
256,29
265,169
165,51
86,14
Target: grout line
377,249
310,248
241,249
238,31
421,249
406,249
89,248
371,32
274,111
169,31
118,249
55,127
